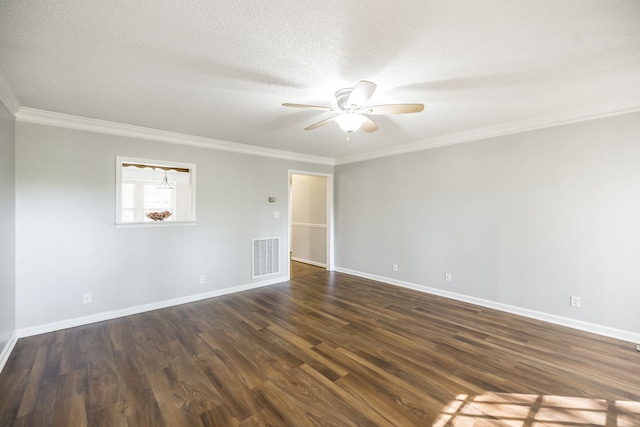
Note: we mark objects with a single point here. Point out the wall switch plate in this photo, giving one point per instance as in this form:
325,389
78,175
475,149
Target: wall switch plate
447,277
575,301
201,278
86,298
394,267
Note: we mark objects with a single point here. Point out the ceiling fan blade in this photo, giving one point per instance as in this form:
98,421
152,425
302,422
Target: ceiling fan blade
361,93
322,123
313,107
394,109
369,126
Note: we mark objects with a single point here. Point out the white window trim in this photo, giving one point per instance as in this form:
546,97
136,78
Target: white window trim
133,224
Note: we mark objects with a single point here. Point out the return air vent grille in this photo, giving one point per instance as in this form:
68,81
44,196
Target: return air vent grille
266,258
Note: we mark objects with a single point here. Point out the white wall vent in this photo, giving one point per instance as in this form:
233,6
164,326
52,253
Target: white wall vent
266,257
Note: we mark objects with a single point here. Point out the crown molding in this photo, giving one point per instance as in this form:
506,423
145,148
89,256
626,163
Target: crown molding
519,126
50,118
7,97
43,117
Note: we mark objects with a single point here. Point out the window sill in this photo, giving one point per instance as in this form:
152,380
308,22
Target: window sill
154,224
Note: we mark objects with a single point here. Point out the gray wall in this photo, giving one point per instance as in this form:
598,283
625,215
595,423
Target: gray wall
67,243
7,227
524,220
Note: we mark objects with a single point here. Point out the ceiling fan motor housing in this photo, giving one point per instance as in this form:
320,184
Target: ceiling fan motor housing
342,97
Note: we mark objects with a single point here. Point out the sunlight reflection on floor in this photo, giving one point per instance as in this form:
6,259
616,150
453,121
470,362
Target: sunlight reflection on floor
519,410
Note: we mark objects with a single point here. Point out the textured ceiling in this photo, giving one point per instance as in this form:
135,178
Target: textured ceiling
222,69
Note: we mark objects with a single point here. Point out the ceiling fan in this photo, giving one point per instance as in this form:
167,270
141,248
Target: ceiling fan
353,112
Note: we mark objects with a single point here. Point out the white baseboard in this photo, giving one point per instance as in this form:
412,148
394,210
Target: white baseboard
306,261
79,321
108,315
8,348
551,318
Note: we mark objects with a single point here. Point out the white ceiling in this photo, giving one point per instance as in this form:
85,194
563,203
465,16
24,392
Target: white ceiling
221,69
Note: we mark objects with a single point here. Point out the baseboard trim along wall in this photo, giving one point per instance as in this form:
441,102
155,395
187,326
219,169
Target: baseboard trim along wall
8,348
306,261
108,315
551,318
80,321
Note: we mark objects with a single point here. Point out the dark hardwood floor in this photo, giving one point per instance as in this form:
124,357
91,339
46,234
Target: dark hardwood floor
325,349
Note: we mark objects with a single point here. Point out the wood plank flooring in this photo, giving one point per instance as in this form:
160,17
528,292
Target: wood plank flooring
325,349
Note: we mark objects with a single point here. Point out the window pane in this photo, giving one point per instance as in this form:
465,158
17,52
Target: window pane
159,200
128,195
128,215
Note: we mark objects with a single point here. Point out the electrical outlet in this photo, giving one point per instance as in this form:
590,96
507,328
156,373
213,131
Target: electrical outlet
394,267
201,278
447,277
637,347
86,298
575,301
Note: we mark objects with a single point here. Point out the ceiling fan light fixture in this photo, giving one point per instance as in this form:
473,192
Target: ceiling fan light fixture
350,122
351,107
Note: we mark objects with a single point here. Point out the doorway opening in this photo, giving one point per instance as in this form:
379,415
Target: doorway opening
311,218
